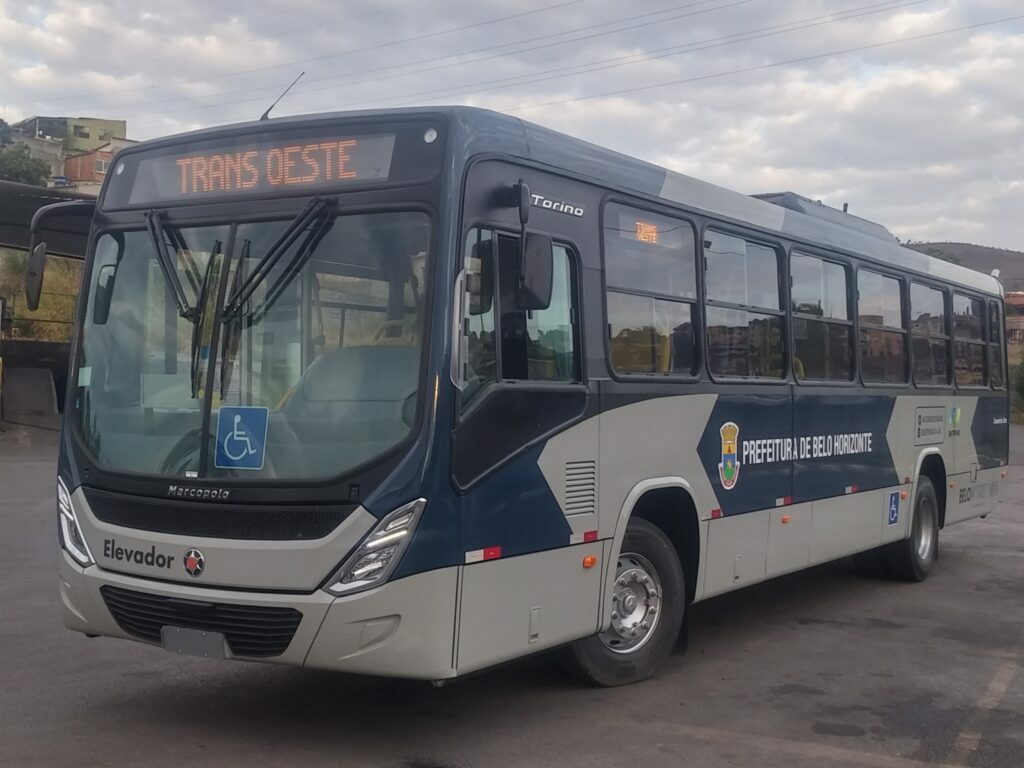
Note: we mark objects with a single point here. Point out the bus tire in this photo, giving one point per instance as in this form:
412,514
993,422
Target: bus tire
912,558
649,589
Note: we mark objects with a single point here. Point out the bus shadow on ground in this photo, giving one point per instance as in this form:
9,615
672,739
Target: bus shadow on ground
247,699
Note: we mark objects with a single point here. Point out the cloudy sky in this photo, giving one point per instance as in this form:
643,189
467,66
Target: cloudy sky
912,111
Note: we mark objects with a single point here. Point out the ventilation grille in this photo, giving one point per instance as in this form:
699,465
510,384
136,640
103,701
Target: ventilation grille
250,630
580,487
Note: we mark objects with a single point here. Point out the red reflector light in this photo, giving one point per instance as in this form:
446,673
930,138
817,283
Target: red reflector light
492,553
715,514
590,536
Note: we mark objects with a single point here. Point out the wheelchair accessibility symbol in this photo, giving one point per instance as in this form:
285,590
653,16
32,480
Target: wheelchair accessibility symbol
241,437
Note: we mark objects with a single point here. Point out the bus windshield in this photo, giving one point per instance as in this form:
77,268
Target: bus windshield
313,373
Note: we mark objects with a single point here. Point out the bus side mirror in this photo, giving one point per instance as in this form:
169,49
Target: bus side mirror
536,272
34,269
104,293
37,250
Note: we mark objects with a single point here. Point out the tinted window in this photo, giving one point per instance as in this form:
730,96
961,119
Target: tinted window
969,351
822,331
478,321
535,346
882,356
995,350
927,310
741,272
931,360
930,340
967,318
648,335
970,364
819,287
822,350
742,343
648,252
880,300
995,362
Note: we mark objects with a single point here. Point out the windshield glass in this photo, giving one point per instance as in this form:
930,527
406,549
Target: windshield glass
315,373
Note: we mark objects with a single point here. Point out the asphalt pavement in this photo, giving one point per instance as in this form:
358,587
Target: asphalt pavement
822,669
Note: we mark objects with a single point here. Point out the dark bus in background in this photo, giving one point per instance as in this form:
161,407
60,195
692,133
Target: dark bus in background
416,392
34,346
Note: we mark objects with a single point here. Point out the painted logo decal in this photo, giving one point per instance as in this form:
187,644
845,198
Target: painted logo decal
954,421
729,468
194,563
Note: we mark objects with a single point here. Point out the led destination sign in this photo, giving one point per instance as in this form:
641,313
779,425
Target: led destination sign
269,166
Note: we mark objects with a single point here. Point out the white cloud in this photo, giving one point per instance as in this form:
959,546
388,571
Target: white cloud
924,136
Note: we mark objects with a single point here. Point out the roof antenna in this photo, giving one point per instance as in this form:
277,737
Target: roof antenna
846,207
266,115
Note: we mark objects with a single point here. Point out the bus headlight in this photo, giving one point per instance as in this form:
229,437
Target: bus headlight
374,560
70,534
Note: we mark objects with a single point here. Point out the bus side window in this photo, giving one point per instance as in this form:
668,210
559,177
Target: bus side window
536,345
995,346
651,295
883,332
744,310
929,335
481,366
969,337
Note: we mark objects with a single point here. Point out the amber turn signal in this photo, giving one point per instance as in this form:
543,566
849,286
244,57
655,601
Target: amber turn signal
589,561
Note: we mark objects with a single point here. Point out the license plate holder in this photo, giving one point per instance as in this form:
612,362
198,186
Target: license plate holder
194,642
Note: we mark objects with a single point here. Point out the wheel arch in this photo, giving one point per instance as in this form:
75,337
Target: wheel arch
668,503
930,464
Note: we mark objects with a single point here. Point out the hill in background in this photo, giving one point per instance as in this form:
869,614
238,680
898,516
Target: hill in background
981,258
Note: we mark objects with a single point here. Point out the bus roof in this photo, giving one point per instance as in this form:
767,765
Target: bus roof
785,214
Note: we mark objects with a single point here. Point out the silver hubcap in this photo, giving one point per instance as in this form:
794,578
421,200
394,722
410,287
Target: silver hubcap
636,604
924,530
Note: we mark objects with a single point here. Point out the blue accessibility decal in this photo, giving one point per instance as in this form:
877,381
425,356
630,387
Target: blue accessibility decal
241,437
894,507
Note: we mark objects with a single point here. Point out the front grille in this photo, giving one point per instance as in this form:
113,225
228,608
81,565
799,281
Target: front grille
216,521
249,630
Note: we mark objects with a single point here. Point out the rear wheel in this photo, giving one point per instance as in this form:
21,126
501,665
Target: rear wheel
648,602
911,559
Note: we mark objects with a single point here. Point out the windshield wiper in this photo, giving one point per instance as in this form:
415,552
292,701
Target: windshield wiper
199,313
229,344
302,254
163,258
313,209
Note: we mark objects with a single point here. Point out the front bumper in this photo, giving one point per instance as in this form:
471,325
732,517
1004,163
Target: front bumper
404,628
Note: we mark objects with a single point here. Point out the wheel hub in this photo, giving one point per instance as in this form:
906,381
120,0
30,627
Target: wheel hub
636,601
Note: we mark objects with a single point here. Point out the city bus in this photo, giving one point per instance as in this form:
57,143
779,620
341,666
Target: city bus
418,392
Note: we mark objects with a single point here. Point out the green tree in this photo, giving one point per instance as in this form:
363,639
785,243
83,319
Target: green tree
5,134
17,164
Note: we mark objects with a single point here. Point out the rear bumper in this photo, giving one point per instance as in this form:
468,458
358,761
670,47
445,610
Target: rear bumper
402,629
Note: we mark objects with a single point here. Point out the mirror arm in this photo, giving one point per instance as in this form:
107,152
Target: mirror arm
521,193
57,210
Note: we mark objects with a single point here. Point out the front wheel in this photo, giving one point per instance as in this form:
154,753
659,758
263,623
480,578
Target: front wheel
912,559
648,602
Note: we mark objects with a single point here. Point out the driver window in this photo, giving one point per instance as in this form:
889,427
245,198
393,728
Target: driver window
534,345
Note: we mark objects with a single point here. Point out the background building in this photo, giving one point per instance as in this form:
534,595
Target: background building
76,149
86,170
76,134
